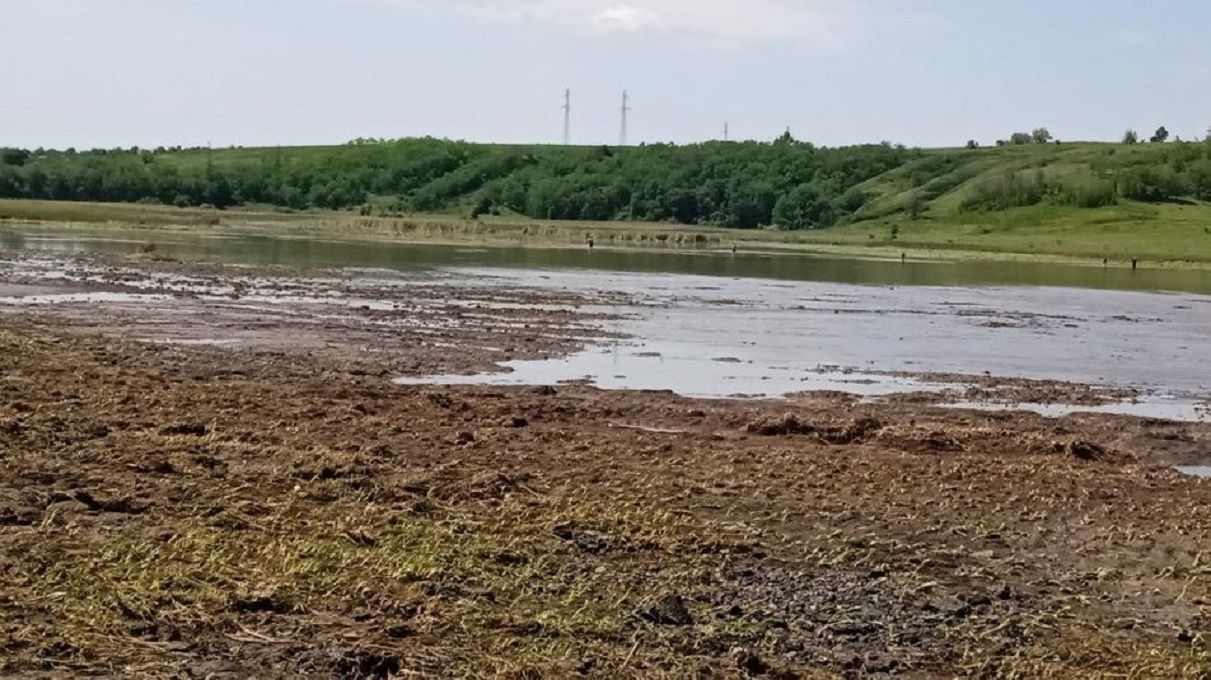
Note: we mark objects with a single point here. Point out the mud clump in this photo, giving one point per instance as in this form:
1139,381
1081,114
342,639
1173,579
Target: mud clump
368,665
786,425
1081,450
586,540
750,663
19,516
669,610
185,430
342,662
261,603
856,431
121,505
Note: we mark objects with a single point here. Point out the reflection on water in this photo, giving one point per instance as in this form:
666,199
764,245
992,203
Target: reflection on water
314,252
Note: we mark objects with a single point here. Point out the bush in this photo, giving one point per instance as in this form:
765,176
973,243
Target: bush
1095,194
805,207
1014,190
1198,179
13,156
1152,184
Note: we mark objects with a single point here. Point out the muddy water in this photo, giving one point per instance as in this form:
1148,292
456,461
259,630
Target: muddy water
310,252
712,337
723,324
1203,471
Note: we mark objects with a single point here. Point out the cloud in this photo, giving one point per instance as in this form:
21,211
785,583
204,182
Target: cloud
818,23
626,18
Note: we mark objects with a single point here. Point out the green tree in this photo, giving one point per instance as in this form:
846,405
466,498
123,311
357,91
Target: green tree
914,205
805,207
1131,137
1161,136
1041,136
1152,184
13,156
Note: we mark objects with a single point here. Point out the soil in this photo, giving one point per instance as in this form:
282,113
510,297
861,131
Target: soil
1002,390
277,507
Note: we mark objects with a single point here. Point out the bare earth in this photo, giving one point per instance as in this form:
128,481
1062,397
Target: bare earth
221,484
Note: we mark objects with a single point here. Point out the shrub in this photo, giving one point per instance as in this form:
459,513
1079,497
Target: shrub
1013,190
805,207
1147,183
1094,194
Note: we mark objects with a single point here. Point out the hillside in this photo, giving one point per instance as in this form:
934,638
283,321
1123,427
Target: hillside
787,184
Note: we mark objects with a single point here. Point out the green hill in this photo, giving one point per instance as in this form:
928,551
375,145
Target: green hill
876,192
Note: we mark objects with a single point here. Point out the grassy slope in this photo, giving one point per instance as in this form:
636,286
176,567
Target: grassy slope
1170,231
943,179
1121,232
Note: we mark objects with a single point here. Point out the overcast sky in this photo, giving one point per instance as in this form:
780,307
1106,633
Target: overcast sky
90,73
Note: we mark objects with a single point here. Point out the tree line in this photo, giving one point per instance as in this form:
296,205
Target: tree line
787,183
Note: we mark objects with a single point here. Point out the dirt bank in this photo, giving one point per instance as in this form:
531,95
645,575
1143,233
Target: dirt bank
279,508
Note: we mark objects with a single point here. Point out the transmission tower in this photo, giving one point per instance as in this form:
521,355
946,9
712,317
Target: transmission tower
622,138
567,117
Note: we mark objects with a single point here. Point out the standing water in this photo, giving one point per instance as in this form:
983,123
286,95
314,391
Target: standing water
720,324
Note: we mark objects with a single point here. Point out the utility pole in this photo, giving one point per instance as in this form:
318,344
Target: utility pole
567,117
622,138
725,131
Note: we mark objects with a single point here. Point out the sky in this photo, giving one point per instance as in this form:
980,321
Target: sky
105,73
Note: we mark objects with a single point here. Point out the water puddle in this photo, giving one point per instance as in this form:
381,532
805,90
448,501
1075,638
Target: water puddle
1202,471
711,337
1146,406
192,342
681,369
81,298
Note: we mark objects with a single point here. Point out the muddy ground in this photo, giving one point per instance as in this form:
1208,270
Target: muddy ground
275,507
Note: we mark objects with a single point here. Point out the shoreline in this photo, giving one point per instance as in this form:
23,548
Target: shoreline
524,232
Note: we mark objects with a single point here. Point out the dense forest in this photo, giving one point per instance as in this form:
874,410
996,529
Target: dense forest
746,185
785,183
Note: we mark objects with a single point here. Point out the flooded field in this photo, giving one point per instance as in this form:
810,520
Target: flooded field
693,323
710,337
311,252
